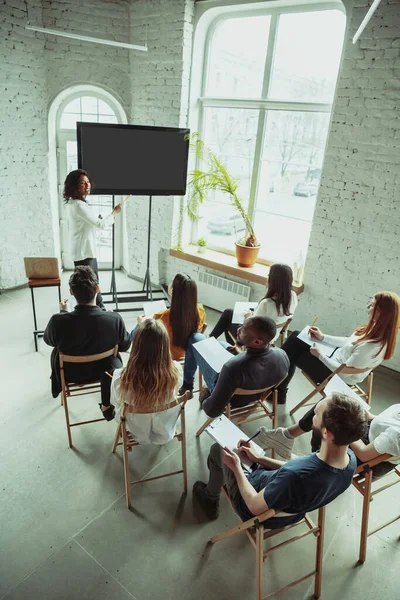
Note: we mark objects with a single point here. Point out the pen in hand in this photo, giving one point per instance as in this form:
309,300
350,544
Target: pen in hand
107,373
252,438
312,325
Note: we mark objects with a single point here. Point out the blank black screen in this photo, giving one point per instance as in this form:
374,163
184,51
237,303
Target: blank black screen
130,159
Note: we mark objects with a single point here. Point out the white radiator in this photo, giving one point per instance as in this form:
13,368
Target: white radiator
219,293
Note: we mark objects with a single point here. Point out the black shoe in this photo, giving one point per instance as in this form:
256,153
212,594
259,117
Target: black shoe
204,394
209,506
182,390
108,414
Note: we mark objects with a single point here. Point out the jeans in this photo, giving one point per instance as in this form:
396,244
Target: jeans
92,263
300,356
193,359
221,475
224,325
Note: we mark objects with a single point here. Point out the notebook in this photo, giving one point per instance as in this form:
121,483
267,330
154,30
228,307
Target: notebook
323,347
213,353
151,308
226,433
241,308
336,384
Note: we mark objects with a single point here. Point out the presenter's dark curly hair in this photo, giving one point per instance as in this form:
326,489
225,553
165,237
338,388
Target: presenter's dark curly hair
71,184
83,283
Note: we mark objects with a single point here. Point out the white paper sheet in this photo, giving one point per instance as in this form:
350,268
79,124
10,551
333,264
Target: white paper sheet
241,308
323,347
226,433
336,384
213,353
151,308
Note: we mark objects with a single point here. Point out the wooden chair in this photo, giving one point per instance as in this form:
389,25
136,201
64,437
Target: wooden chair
362,481
258,533
256,409
41,272
284,330
319,388
70,390
127,445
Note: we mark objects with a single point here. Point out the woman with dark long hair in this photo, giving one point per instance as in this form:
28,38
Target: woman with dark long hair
149,382
82,222
185,316
279,304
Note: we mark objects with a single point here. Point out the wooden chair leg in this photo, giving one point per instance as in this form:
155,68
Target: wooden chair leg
275,409
126,466
319,553
67,422
202,428
259,561
365,516
369,388
200,381
183,448
116,439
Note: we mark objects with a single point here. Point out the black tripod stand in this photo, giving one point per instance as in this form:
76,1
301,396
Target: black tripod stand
139,296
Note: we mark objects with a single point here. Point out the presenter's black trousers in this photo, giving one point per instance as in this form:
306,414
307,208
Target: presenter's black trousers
300,356
92,263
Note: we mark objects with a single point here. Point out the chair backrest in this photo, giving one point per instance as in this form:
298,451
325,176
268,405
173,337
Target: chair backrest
66,358
130,408
41,268
283,326
242,392
371,463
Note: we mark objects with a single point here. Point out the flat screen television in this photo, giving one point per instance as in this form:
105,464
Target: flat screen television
134,159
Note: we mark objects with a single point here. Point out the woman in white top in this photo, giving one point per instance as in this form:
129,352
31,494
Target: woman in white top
279,304
83,223
149,382
365,349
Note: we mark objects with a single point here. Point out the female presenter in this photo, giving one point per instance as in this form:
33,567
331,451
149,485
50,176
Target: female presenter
83,223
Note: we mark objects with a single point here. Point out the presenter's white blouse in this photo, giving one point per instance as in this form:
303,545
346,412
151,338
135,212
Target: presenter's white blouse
82,224
152,428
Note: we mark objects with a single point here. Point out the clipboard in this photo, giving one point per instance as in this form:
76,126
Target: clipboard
323,347
226,433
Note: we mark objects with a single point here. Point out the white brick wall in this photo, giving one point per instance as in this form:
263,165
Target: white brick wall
34,68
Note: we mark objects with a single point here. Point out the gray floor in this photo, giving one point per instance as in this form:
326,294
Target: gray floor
66,533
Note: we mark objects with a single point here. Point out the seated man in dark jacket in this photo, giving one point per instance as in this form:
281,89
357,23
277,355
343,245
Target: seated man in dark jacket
86,330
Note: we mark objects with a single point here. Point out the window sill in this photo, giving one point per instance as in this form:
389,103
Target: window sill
227,264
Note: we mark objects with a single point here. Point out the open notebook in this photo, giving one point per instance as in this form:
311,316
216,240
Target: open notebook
241,308
225,433
323,347
336,384
151,308
213,353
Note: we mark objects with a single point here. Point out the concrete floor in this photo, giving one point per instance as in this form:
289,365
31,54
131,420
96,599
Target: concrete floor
65,530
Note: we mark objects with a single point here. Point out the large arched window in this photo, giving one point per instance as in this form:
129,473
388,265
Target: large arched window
83,103
265,103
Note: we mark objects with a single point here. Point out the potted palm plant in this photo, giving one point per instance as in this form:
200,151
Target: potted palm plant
214,176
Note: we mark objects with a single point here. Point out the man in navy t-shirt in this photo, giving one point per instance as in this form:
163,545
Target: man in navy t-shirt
296,487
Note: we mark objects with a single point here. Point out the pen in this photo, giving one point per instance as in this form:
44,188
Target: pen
311,326
252,438
107,373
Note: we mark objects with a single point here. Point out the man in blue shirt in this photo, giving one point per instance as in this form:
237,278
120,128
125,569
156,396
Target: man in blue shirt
296,487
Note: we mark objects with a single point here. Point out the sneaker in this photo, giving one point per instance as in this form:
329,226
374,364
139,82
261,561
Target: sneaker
276,439
182,390
209,506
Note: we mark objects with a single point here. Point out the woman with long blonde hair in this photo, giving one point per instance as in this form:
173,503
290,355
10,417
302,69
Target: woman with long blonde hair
149,383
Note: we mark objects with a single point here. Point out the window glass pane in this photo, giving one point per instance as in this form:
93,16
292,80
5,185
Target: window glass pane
307,56
74,106
72,156
90,118
68,121
89,105
230,134
237,57
105,109
290,171
107,119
